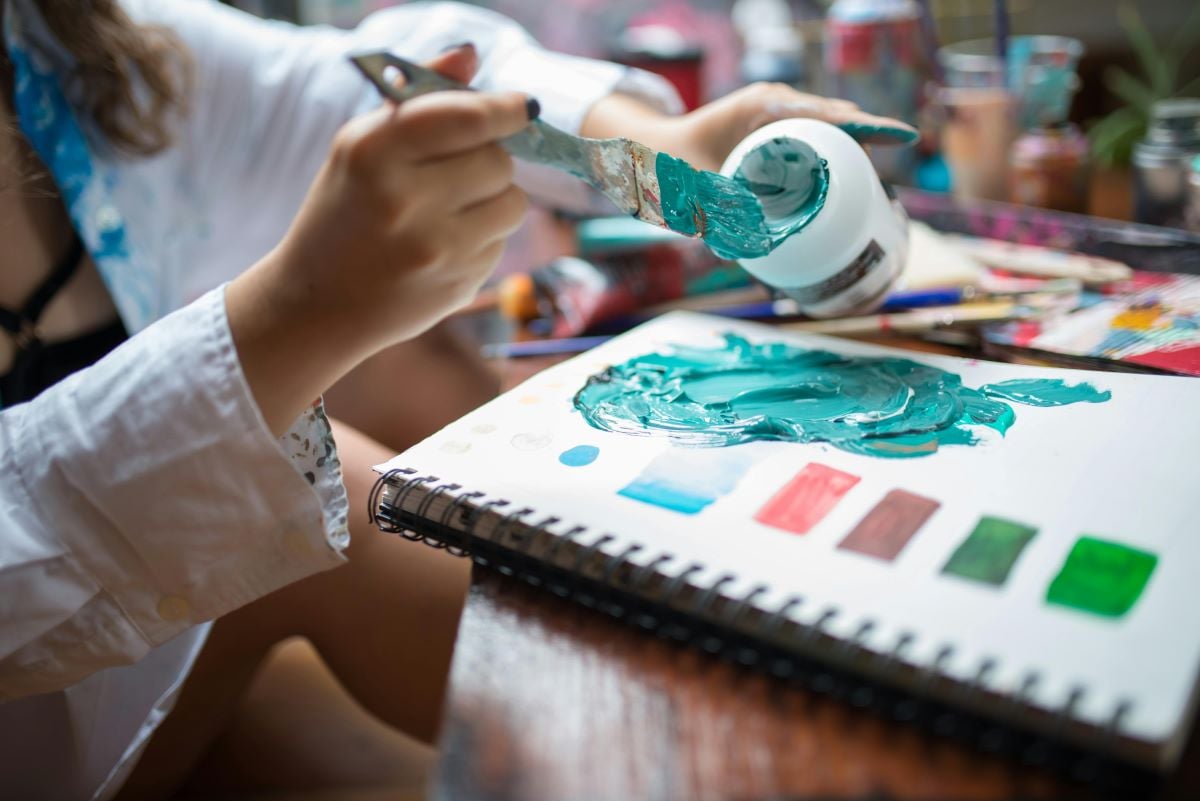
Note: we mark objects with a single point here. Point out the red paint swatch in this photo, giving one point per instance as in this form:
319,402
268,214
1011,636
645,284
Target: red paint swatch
806,499
890,525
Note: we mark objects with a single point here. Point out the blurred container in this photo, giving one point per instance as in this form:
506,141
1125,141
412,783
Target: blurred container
1161,162
1049,168
1040,72
772,50
977,132
665,51
1193,215
872,57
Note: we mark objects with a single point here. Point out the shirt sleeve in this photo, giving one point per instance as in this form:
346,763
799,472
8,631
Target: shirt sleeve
268,96
146,494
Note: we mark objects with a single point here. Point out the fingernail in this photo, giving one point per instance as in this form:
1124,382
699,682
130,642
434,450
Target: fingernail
532,108
457,46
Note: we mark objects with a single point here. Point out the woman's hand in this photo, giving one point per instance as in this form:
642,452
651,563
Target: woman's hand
402,225
707,135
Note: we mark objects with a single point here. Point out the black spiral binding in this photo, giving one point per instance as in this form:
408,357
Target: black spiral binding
619,589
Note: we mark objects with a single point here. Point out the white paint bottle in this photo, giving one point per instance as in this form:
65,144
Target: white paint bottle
850,238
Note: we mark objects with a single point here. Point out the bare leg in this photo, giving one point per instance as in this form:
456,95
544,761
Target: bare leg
440,376
384,622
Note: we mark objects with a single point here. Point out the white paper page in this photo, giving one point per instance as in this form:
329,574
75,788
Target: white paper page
1122,470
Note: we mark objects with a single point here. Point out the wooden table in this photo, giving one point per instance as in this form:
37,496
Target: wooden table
549,701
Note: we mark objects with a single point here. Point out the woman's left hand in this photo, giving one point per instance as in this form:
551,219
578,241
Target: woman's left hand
704,137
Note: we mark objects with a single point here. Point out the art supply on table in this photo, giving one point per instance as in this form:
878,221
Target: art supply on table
1150,322
1162,162
1048,167
812,499
919,321
654,187
849,239
1041,262
571,295
872,57
1192,220
977,132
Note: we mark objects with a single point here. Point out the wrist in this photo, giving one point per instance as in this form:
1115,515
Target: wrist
287,353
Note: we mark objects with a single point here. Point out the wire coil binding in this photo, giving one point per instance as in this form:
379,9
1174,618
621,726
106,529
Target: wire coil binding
776,642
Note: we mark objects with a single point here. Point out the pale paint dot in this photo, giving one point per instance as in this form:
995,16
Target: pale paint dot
529,400
172,608
455,446
532,440
483,428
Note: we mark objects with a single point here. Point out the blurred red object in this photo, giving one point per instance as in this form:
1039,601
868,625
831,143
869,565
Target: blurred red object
665,51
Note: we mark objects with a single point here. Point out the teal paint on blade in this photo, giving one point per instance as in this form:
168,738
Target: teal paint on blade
875,406
724,213
1045,392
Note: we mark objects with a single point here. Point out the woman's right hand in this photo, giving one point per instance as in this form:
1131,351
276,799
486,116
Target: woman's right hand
401,226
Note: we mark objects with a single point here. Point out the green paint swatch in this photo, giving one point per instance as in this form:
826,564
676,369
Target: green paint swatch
989,552
1101,577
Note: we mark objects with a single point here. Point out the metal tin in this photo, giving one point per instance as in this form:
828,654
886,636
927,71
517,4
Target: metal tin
1193,214
1048,168
1161,162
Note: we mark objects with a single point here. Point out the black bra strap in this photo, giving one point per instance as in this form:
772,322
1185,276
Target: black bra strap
18,321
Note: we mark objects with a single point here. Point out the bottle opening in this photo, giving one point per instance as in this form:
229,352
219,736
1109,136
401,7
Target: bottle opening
789,178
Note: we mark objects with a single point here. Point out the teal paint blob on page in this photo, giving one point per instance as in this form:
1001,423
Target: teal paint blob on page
1102,577
989,552
882,406
1045,392
579,456
686,480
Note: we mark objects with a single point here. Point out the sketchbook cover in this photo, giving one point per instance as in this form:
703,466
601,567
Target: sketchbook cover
1053,563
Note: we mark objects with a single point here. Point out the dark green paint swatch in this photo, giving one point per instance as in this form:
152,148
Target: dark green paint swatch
989,553
1101,577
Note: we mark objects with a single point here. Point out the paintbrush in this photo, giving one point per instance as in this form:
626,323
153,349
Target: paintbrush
651,186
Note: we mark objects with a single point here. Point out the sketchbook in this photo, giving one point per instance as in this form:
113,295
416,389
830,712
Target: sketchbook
1007,551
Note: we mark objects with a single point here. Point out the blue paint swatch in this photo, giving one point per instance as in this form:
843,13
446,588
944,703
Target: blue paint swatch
579,456
687,480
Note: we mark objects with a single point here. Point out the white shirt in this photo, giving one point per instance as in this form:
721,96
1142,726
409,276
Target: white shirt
144,496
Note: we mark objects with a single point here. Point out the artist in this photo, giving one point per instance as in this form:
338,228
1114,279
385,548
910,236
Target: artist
228,199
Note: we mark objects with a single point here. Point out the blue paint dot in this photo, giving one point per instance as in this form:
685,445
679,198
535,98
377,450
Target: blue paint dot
579,456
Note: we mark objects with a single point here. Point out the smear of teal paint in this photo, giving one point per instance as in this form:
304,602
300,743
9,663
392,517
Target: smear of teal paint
723,212
878,406
778,190
861,131
1045,392
579,456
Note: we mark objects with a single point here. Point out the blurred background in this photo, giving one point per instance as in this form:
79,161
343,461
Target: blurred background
1118,59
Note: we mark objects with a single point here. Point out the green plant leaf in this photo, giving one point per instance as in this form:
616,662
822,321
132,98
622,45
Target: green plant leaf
1189,89
1152,61
1112,138
1185,39
1129,88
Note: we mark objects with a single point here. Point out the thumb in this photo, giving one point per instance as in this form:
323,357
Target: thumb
457,62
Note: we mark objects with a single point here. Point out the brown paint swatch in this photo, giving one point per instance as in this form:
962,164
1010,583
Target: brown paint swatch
888,527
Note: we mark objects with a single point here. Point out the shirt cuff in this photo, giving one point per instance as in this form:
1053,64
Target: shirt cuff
170,497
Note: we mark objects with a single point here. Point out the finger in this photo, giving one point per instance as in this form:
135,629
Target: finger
493,219
465,179
873,130
458,62
443,123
